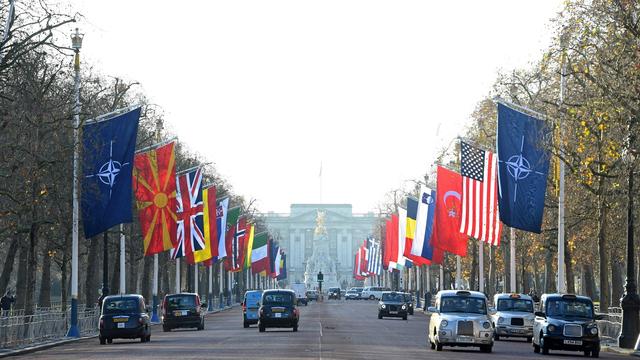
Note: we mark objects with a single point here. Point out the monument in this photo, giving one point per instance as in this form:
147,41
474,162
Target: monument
320,259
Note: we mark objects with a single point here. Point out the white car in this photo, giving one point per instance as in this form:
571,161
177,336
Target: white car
513,316
373,292
460,318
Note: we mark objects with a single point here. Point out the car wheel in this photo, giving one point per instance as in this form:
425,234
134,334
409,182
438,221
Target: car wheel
148,338
595,353
587,353
143,339
102,340
109,341
404,317
543,347
166,328
529,339
261,328
536,348
496,337
438,346
371,297
486,348
245,324
379,315
295,328
433,346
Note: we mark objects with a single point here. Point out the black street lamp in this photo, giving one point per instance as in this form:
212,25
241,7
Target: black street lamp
630,302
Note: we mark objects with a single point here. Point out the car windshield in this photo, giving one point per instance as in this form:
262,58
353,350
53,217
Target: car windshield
278,299
181,302
463,304
393,297
118,306
570,308
523,305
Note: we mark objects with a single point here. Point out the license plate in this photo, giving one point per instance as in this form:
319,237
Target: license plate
120,320
121,325
465,339
572,342
393,312
278,315
517,331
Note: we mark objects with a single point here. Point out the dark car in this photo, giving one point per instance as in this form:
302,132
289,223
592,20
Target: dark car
408,297
251,307
392,304
278,309
182,310
334,293
566,322
124,317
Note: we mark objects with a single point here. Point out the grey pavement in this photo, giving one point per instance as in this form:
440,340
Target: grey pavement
329,330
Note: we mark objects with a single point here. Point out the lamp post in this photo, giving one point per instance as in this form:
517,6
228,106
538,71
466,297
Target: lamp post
630,302
76,44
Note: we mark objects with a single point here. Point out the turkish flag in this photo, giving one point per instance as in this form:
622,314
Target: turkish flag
446,232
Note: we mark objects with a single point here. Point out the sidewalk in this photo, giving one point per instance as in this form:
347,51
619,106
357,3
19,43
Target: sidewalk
47,345
621,351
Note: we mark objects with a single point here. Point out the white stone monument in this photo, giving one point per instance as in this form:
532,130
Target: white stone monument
320,259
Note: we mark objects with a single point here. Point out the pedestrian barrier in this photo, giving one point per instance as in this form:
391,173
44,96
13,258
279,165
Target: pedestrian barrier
22,330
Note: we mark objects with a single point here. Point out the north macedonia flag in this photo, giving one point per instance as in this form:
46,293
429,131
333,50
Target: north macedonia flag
154,185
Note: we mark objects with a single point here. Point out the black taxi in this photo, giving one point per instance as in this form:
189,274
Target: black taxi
278,310
124,317
392,304
183,310
566,322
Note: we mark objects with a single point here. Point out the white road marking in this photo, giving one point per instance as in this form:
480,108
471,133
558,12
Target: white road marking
320,342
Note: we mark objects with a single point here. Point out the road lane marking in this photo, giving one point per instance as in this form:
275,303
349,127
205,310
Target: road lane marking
320,342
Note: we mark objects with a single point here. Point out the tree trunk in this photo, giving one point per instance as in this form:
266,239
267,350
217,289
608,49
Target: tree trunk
114,286
32,266
617,282
571,286
146,277
9,261
132,279
492,271
605,299
21,281
44,299
91,280
63,281
549,280
589,281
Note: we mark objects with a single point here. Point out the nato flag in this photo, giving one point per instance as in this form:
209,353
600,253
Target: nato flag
522,170
107,163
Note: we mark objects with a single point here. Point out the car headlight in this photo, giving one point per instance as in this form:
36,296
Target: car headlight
551,328
500,320
594,330
404,307
384,306
486,325
444,323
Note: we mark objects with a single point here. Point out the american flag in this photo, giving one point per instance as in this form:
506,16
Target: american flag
190,214
480,215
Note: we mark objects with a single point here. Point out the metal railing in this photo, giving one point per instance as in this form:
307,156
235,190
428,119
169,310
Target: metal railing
19,330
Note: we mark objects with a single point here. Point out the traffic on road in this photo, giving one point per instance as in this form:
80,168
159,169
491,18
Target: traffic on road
271,324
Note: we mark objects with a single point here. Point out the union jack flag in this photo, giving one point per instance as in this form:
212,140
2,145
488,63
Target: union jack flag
190,214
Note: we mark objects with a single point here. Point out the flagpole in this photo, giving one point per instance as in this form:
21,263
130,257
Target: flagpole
441,279
458,273
561,197
210,295
177,275
123,271
221,286
512,259
154,290
74,330
429,278
195,275
480,266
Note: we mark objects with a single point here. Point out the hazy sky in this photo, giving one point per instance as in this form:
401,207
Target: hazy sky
267,90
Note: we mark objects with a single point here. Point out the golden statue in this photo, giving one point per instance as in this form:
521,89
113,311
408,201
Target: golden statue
320,219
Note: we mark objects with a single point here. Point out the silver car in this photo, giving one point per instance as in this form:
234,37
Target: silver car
460,318
513,316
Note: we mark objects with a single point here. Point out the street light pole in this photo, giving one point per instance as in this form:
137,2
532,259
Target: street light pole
76,44
630,302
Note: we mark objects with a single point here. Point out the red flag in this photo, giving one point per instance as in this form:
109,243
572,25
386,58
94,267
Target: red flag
237,237
154,185
446,232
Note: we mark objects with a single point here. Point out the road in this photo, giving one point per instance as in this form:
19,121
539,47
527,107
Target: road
328,330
